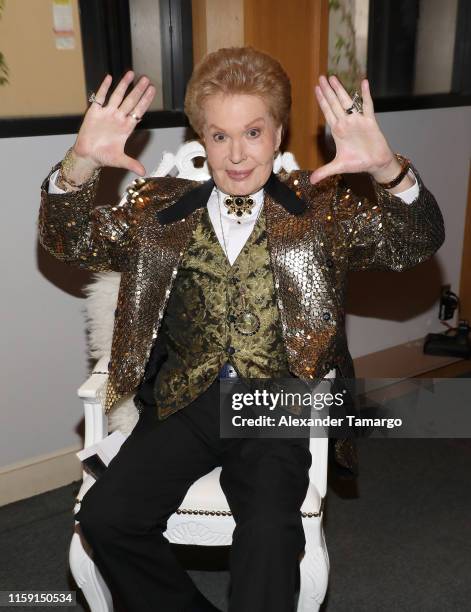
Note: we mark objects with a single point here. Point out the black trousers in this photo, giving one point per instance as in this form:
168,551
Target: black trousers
123,516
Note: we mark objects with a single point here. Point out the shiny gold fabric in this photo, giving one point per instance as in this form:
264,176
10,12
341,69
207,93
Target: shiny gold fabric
310,257
197,327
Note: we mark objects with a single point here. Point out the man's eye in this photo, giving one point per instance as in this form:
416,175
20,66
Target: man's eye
219,137
254,133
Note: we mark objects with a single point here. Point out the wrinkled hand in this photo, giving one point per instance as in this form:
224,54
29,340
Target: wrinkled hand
360,144
105,129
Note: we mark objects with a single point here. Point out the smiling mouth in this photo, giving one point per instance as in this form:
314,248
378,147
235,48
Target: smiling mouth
238,175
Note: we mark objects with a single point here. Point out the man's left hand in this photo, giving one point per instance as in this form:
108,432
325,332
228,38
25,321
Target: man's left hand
360,144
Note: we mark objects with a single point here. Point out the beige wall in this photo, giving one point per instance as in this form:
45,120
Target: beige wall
42,79
216,24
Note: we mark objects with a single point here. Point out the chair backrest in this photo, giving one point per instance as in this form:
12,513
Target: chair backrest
181,164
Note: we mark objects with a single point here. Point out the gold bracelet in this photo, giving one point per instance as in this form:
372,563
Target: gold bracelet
405,163
67,164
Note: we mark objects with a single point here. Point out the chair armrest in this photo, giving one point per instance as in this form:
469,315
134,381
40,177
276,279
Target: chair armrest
90,388
96,421
319,448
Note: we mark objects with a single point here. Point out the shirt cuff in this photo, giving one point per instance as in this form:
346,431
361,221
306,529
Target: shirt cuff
410,194
53,188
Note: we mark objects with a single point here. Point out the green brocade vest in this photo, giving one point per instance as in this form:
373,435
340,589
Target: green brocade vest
201,328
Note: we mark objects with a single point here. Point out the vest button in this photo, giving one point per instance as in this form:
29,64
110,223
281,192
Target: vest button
234,280
329,263
231,350
231,318
326,316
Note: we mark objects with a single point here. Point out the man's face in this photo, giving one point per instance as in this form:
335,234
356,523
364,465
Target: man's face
240,138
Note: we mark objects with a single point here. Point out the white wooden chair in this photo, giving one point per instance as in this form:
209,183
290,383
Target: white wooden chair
204,517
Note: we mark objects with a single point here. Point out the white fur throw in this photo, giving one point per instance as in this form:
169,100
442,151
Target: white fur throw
100,304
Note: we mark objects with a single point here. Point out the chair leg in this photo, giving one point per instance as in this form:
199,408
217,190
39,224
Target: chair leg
314,572
87,575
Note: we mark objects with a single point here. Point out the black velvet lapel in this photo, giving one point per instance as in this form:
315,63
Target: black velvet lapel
199,196
285,196
192,200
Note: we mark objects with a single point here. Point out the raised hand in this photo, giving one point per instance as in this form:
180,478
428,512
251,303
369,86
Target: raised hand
106,128
360,144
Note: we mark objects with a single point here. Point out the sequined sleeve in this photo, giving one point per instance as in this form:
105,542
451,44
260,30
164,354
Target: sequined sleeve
96,238
388,234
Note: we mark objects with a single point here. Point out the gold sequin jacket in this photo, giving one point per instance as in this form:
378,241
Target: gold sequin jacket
316,234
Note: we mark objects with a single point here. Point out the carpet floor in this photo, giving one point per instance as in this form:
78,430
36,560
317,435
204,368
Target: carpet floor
398,539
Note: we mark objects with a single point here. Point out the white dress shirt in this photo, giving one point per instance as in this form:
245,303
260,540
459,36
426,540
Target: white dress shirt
236,230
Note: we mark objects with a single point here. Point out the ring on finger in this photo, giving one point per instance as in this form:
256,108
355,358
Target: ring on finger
357,104
135,117
92,98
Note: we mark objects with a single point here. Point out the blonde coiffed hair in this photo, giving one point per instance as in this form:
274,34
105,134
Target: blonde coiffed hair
239,70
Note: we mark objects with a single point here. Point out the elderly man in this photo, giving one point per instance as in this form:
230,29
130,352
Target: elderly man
244,274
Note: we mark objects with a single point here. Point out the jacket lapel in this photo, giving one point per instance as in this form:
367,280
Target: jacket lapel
285,196
198,198
192,200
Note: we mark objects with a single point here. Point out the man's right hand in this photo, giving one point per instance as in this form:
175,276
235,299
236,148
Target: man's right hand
105,129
